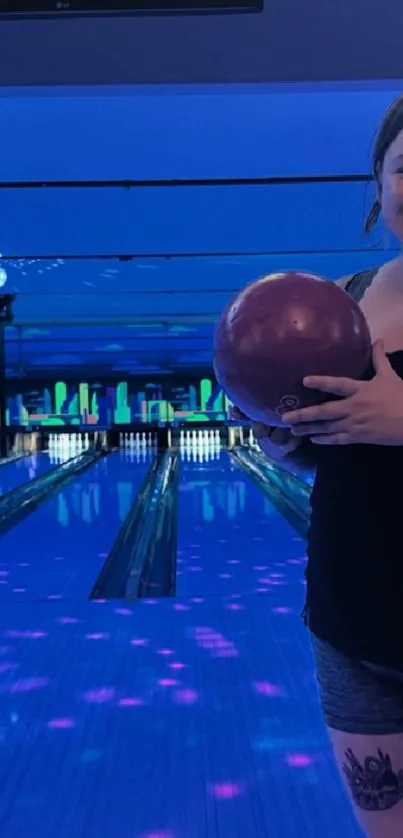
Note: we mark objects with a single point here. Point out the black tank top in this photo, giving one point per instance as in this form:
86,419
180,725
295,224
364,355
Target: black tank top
355,543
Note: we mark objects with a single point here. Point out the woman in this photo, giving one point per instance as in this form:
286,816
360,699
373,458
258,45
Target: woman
354,606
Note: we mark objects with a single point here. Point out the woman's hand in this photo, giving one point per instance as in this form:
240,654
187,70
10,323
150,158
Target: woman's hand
371,412
276,443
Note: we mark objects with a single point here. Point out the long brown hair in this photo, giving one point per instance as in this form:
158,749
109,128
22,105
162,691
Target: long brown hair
389,129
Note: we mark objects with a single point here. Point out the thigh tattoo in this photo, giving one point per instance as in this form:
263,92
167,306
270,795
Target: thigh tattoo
374,784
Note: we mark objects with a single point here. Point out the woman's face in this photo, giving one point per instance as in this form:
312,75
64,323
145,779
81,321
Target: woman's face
391,188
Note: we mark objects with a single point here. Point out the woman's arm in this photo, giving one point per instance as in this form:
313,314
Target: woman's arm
296,454
303,459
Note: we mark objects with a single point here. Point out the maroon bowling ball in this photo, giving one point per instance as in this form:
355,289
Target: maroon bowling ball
280,329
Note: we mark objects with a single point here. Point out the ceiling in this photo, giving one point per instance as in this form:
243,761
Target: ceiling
126,273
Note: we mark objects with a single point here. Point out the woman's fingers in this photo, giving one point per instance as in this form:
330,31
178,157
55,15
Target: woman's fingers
278,443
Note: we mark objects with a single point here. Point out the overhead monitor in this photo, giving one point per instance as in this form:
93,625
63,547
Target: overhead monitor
70,8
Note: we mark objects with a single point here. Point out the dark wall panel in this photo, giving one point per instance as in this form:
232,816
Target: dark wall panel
332,40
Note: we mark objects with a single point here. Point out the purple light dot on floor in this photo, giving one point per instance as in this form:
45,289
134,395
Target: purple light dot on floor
100,696
197,599
233,561
234,606
19,590
299,760
225,576
24,564
281,610
99,601
194,569
168,682
55,596
3,582
177,665
28,685
58,558
186,696
179,607
4,573
270,690
225,791
26,635
158,835
68,620
61,724
125,612
165,652
260,567
261,591
139,641
150,601
100,636
131,702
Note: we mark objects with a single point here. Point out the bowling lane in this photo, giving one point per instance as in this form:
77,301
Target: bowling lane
58,551
98,700
231,539
18,472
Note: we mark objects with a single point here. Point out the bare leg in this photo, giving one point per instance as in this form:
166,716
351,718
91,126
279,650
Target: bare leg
372,770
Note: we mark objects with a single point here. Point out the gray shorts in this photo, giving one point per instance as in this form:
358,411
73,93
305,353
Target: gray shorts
358,697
